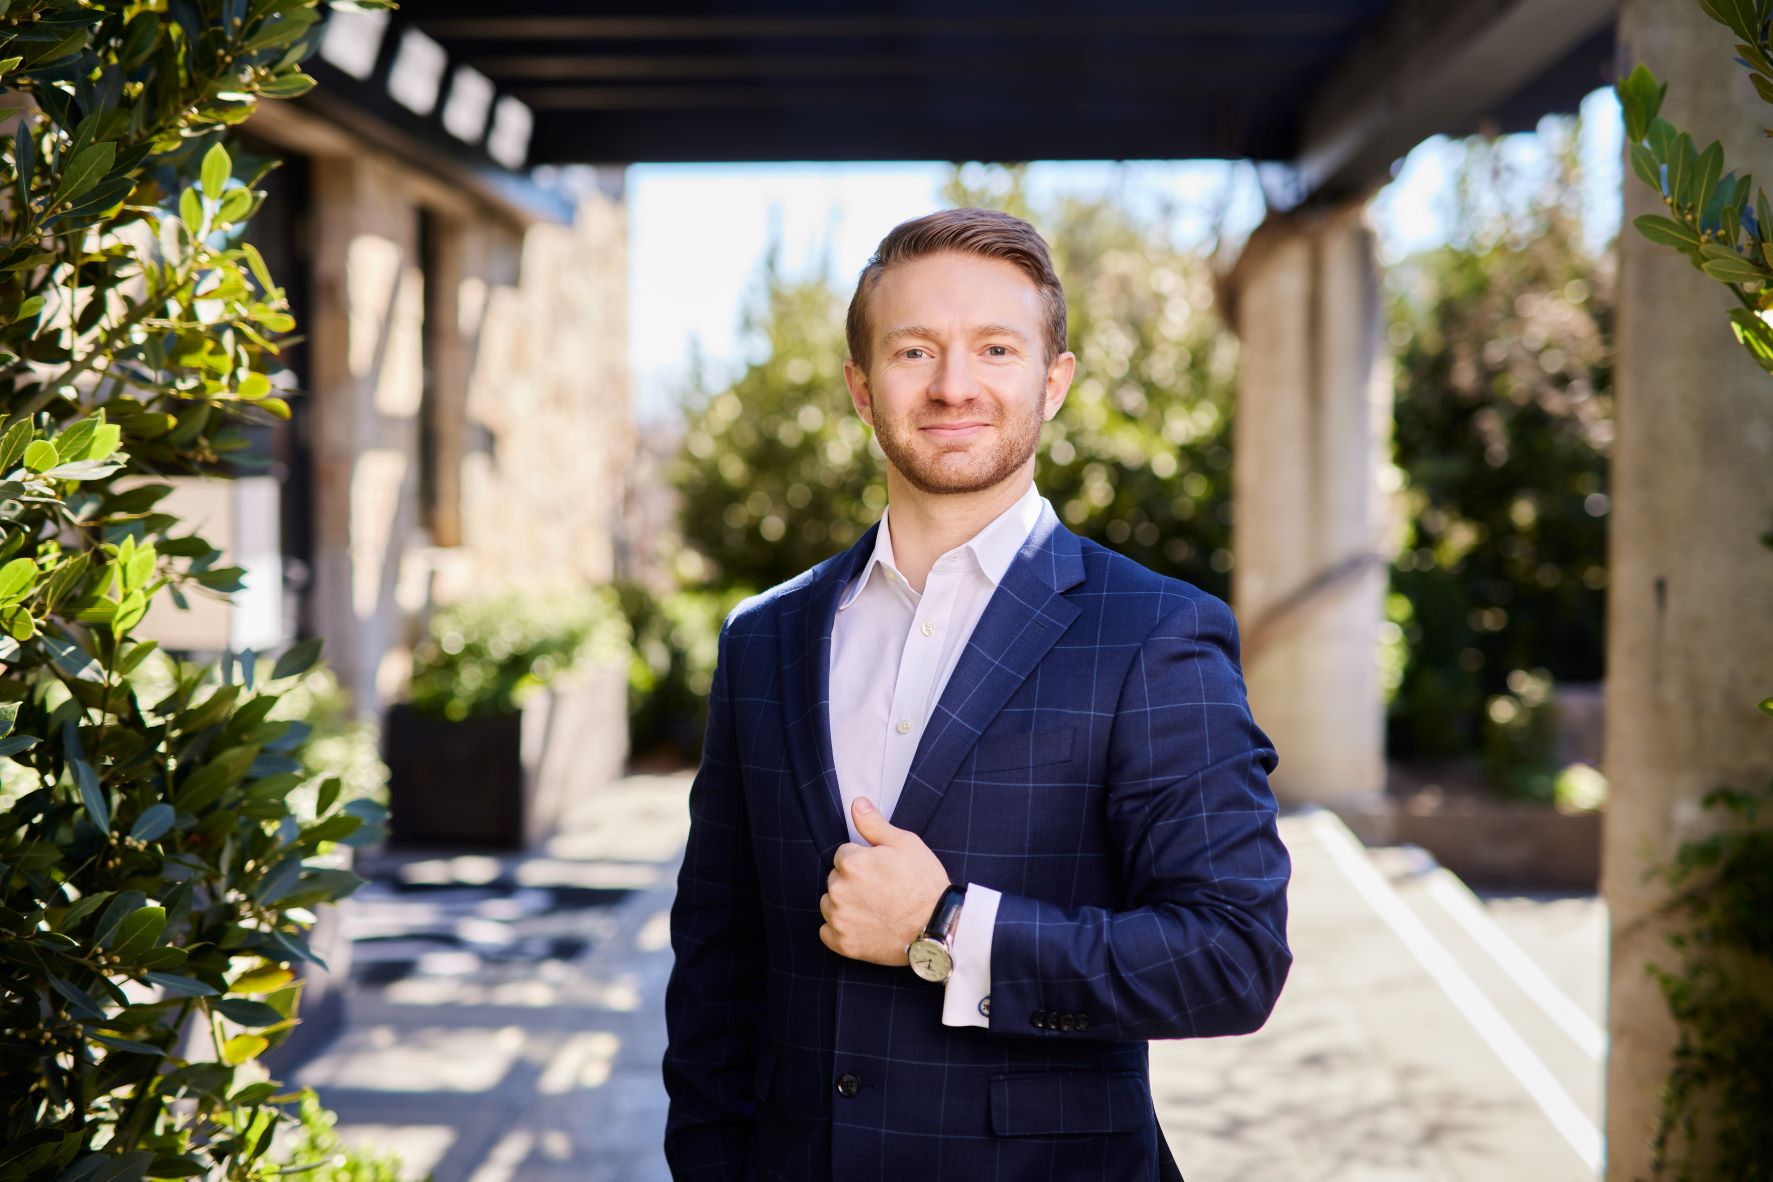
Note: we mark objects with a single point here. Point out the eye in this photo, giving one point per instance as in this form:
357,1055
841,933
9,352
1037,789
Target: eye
998,350
914,349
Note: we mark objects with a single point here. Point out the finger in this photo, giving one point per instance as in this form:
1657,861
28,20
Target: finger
846,850
871,823
825,908
828,937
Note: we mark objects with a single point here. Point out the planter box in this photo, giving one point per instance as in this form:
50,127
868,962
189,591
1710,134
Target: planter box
1504,845
503,782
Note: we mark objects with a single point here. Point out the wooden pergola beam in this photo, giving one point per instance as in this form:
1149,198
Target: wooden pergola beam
1429,66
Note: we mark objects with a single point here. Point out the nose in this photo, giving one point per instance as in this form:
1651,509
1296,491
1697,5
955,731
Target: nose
954,381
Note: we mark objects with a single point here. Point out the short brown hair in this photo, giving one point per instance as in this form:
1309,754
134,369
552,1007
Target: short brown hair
987,233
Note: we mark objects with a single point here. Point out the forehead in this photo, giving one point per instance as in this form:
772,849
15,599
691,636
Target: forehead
951,290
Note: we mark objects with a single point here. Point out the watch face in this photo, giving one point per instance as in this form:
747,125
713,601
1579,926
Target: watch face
930,959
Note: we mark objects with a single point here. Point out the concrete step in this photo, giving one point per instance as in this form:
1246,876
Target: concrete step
1391,1056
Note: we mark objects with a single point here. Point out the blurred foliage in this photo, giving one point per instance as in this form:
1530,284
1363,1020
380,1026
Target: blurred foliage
676,639
156,877
1717,1116
318,1154
1503,427
778,473
335,744
487,656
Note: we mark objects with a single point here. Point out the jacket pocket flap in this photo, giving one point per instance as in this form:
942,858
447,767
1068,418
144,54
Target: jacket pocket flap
1002,752
1031,1105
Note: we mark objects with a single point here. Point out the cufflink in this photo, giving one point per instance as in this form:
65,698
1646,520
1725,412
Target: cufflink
985,1006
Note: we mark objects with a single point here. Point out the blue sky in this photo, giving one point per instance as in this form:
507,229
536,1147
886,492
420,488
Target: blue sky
698,232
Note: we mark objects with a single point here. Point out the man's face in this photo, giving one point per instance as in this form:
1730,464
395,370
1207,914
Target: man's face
958,383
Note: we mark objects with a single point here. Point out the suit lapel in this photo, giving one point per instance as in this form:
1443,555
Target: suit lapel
806,694
1025,616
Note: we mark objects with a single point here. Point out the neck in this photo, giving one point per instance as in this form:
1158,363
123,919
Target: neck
925,526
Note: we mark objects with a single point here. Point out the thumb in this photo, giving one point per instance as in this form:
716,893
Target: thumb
871,822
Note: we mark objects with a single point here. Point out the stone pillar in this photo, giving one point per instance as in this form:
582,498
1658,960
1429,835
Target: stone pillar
1313,411
1689,637
367,380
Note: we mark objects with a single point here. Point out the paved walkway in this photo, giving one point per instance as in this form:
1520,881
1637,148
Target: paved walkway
1416,1039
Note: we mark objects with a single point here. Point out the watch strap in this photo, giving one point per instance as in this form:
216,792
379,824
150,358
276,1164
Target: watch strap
946,915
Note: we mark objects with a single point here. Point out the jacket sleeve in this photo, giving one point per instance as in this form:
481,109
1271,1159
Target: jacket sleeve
1199,947
714,1003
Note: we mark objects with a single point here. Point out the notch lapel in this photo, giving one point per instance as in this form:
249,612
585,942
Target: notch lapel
1025,616
806,694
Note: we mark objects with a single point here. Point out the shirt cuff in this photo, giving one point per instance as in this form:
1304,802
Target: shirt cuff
967,1001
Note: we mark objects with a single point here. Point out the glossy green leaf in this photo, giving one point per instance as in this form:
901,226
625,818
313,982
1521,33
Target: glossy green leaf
17,579
1667,231
93,797
156,820
1734,270
13,444
243,1048
1640,97
245,1012
216,169
41,455
87,167
262,979
180,986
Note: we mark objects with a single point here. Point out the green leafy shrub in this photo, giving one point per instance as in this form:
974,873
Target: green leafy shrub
317,1154
1520,737
155,880
486,656
1717,1113
676,637
1504,423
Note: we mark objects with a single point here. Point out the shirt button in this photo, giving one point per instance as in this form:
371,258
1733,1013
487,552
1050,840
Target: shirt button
904,726
848,1084
929,628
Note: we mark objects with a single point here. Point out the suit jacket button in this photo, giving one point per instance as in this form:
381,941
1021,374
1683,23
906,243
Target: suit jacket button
848,1084
1067,1021
1039,1020
1083,1021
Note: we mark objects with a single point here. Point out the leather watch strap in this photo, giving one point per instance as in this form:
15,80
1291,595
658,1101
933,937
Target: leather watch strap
946,915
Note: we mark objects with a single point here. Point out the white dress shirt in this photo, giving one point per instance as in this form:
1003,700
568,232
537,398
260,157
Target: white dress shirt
892,651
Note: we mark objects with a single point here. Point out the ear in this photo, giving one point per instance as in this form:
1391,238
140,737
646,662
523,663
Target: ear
857,380
1059,375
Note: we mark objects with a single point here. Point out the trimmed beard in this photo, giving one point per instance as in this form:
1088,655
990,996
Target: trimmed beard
1017,438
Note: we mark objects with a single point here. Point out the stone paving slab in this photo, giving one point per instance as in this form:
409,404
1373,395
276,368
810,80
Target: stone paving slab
1365,1073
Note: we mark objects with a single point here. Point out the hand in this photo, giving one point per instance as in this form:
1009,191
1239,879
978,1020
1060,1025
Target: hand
878,896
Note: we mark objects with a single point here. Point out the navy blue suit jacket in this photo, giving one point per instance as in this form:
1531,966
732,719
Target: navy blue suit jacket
1093,757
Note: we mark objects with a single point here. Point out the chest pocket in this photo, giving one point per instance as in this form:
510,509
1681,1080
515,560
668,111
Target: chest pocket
1010,752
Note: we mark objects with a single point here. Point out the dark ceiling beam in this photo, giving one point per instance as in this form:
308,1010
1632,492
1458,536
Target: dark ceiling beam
534,22
1011,132
1429,66
1054,65
1116,101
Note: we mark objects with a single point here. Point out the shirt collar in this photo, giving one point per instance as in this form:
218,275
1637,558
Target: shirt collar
993,547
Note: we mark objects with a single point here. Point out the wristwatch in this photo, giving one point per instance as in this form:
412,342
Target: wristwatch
931,954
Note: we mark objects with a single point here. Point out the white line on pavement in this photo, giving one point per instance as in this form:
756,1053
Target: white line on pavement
1563,1112
1457,900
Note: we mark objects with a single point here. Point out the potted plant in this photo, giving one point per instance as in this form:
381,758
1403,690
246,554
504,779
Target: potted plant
517,706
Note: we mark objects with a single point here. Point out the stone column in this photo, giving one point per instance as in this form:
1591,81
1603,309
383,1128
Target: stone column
1689,634
1314,408
366,376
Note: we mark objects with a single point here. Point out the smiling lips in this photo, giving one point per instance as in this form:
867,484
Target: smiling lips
955,430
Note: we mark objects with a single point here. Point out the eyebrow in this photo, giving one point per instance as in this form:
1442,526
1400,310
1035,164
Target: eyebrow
982,330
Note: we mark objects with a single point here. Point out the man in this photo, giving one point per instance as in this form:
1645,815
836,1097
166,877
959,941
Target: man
982,808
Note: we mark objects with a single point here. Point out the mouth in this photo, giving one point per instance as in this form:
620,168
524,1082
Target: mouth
955,430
